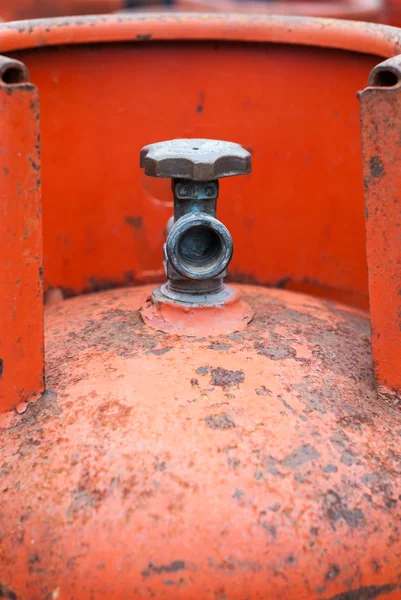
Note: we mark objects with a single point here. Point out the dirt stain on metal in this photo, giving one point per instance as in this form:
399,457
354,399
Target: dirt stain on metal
151,569
263,391
6,593
333,572
225,378
300,456
365,593
134,222
222,421
203,370
376,167
201,103
335,509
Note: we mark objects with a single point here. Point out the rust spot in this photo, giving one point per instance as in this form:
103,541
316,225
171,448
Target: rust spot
270,465
222,421
84,500
203,370
291,560
135,222
269,528
263,391
376,167
35,166
225,378
160,351
6,593
335,509
347,459
33,560
151,569
219,346
376,565
112,414
201,103
160,466
1,367
144,37
333,572
275,352
300,456
47,407
330,468
238,494
365,593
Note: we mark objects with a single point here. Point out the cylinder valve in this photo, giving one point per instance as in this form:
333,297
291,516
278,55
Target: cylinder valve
199,247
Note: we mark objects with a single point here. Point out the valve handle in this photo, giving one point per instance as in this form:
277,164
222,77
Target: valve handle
196,159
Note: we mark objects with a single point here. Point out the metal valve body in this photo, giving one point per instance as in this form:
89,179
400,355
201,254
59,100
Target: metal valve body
199,248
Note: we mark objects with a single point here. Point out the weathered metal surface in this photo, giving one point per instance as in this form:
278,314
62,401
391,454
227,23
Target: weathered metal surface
255,465
199,247
297,154
221,312
21,263
197,159
381,142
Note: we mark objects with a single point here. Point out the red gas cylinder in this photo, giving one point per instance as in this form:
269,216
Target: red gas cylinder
195,438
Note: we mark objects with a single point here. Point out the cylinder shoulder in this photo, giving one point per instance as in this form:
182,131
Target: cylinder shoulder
260,464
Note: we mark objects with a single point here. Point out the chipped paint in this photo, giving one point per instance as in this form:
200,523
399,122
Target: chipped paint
201,460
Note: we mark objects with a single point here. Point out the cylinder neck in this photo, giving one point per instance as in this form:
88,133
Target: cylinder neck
194,196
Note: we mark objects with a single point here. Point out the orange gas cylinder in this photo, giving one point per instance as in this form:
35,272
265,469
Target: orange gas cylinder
200,439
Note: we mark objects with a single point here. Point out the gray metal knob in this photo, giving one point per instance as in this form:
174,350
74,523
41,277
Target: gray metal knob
196,159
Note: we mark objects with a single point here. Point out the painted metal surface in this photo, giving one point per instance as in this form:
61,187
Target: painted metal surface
21,264
13,10
254,465
381,141
306,154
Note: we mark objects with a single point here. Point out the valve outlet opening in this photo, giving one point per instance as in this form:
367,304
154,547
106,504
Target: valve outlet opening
385,78
200,249
13,75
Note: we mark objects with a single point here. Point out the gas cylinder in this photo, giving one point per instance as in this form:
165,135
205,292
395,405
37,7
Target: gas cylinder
202,440
196,438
